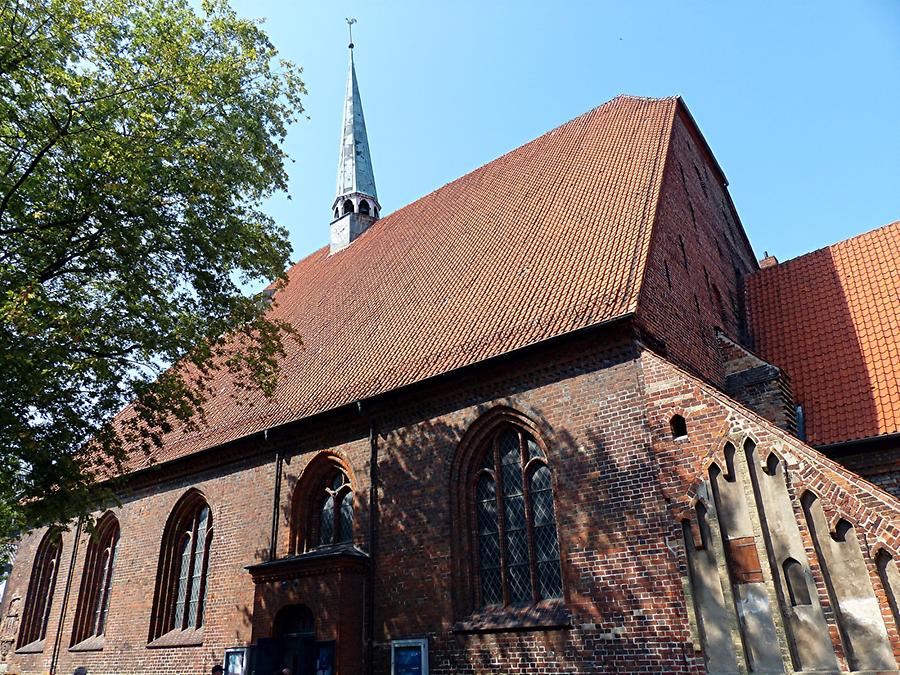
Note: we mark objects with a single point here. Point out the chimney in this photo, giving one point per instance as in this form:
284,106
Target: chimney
768,261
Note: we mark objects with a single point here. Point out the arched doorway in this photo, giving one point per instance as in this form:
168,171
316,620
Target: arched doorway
304,608
295,629
294,621
293,645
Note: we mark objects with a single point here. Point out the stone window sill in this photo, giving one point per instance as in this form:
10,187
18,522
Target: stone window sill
95,643
191,637
546,615
35,647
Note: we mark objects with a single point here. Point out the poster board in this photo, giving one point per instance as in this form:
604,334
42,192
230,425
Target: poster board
409,657
235,661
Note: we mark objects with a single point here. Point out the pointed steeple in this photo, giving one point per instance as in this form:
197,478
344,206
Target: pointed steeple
356,204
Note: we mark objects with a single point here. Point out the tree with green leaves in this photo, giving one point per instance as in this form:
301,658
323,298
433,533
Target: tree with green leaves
138,140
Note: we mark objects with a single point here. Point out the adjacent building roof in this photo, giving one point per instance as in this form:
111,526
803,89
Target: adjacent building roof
831,319
547,239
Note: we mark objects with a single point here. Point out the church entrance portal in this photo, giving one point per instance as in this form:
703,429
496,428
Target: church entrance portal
294,646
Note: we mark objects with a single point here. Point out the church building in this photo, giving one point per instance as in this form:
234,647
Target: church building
553,417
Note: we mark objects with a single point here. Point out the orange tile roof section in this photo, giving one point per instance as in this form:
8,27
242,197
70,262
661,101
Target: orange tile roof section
547,239
831,319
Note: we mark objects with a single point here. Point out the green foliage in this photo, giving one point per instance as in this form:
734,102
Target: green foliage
137,141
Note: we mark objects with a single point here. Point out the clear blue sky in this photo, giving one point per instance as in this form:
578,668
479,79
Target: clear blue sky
800,101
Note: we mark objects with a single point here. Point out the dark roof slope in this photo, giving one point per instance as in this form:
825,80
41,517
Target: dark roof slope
831,319
547,239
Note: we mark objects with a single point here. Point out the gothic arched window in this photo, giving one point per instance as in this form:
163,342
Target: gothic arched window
96,580
322,513
39,599
348,206
515,526
179,602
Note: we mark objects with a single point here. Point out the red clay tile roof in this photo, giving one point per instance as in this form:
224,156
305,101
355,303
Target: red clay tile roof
549,238
831,319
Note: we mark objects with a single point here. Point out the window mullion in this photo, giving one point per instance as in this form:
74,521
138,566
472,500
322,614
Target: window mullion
202,581
529,520
501,520
36,592
97,594
106,590
336,518
48,598
190,575
475,540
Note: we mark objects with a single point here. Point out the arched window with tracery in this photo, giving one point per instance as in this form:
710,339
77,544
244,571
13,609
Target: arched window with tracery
180,598
322,512
517,550
39,599
96,580
335,522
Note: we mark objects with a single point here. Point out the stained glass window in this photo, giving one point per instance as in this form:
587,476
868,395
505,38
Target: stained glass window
514,505
488,540
326,521
546,545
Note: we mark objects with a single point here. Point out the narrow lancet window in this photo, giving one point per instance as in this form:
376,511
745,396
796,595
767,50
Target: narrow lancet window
96,580
39,599
179,602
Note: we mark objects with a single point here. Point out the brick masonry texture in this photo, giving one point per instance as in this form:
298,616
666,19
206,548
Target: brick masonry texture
621,486
713,420
698,255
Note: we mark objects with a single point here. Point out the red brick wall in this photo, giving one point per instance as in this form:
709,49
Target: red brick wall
240,500
619,484
877,462
628,613
759,385
681,308
713,419
625,614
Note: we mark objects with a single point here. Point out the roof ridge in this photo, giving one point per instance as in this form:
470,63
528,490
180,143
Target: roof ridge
827,247
481,167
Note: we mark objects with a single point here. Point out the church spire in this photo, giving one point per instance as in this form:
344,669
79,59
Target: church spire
356,204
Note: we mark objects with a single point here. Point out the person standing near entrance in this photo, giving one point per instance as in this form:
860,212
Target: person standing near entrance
217,670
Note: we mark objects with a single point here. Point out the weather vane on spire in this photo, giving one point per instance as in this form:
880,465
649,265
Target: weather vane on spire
350,22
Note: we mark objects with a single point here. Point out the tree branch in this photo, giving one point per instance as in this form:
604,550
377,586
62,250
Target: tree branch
33,165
